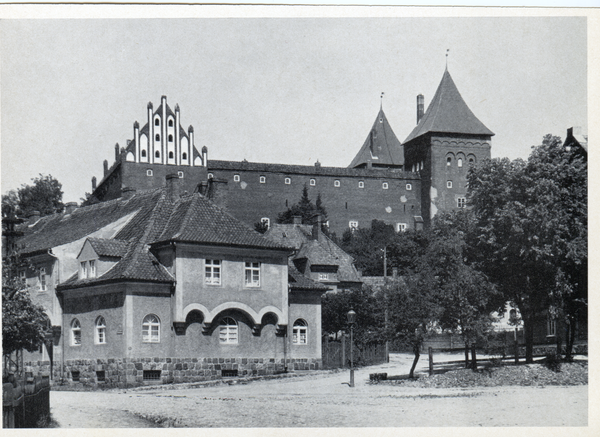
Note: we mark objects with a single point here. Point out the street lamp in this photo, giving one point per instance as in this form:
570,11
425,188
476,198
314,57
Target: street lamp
351,321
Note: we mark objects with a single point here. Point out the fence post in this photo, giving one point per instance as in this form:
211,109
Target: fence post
430,350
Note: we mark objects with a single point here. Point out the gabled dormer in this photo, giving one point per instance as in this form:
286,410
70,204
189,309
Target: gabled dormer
99,255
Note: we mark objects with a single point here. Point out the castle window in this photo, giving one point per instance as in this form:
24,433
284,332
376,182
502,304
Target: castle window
421,165
157,121
180,174
149,172
212,271
263,179
75,333
461,202
448,161
236,178
143,153
170,155
171,123
288,181
184,156
210,176
100,330
42,279
228,331
408,187
157,154
401,227
252,274
170,138
460,162
300,332
336,183
353,225
266,221
385,186
151,329
361,184
157,137
449,184
313,182
471,160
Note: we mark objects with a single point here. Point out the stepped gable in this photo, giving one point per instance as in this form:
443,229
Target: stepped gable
448,113
381,148
196,219
59,229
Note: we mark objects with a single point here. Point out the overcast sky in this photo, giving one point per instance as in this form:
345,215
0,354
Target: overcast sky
275,90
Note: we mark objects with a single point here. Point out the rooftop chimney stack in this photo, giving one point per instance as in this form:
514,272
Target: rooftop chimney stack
316,230
105,167
173,187
93,183
420,107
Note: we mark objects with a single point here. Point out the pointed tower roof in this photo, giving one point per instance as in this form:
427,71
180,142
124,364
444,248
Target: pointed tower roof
381,147
448,113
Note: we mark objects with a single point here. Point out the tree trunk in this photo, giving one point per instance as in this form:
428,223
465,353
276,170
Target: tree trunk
474,358
466,355
528,328
570,339
417,355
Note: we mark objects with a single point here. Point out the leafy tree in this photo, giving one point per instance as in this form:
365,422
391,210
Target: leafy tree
305,208
45,196
261,226
530,233
367,246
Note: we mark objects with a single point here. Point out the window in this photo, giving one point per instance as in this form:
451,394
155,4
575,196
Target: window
288,181
408,187
471,161
157,137
299,332
449,161
184,156
157,154
75,333
83,270
401,227
151,375
551,327
385,186
236,178
100,330
323,276
313,182
210,176
361,184
353,224
180,174
422,165
22,276
143,153
75,375
92,271
170,155
212,271
170,138
336,183
171,122
149,172
157,121
228,331
151,329
42,279
461,202
266,221
263,179
459,163
449,184
100,375
252,274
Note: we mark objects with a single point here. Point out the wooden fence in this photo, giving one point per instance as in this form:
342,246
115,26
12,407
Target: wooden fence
336,353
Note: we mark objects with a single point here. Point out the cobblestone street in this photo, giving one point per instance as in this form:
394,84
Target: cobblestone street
324,400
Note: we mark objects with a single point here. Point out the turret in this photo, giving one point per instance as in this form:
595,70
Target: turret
177,139
136,137
117,149
420,107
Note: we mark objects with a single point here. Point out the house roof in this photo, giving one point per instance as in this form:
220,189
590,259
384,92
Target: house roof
298,282
107,247
448,113
382,147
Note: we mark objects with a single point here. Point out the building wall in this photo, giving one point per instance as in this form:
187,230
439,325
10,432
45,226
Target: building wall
135,175
305,306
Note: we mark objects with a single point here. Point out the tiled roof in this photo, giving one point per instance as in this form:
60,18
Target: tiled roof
107,247
59,229
448,113
381,147
196,219
297,281
316,254
309,170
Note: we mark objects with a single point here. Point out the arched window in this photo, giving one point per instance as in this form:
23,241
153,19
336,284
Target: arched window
449,184
184,155
157,154
151,329
100,330
228,331
143,153
313,182
385,185
288,181
171,155
300,332
157,137
408,187
170,138
171,123
336,183
361,184
75,333
449,161
157,121
460,162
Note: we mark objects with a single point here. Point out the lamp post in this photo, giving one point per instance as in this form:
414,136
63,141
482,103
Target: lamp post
351,321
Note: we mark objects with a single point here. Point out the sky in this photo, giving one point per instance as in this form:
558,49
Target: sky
278,90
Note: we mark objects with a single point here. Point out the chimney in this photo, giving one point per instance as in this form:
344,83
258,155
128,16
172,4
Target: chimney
117,152
316,230
297,220
93,183
70,207
127,192
33,217
420,107
203,188
105,167
173,187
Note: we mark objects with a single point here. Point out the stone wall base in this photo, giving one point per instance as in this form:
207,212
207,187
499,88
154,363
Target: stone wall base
130,372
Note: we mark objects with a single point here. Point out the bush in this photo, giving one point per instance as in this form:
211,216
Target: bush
553,361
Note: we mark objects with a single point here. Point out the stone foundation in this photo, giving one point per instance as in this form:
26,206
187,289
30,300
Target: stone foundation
128,372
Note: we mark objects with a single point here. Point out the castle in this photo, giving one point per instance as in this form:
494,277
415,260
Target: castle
403,184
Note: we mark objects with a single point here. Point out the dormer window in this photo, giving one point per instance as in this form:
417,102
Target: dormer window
83,270
92,270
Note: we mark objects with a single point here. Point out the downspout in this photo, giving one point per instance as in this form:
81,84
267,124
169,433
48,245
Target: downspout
62,331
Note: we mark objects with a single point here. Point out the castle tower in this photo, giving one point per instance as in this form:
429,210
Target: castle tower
446,141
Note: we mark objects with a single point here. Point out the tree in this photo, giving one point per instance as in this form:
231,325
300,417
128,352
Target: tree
304,209
44,196
530,233
367,246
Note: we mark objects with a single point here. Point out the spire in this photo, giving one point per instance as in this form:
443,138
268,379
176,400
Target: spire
447,51
448,113
381,102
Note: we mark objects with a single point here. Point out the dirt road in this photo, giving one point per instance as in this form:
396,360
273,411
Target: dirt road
324,400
